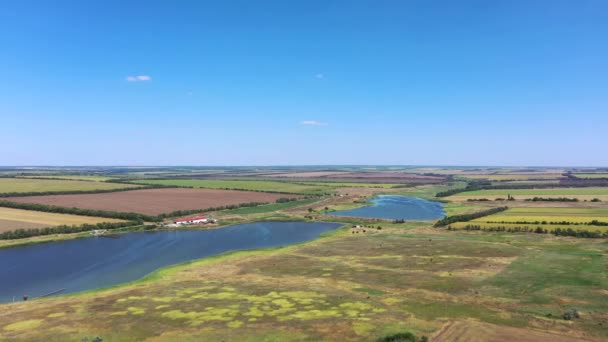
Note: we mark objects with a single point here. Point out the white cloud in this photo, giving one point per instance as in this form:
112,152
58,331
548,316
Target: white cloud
139,78
320,76
313,123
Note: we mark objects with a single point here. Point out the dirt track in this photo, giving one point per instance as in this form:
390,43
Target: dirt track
153,201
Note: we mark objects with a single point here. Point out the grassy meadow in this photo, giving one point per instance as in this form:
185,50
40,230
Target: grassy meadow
28,185
74,177
400,279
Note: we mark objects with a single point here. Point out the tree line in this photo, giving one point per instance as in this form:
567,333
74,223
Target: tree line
538,230
563,223
468,217
65,229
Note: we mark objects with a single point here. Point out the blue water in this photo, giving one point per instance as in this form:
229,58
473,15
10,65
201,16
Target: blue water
395,208
96,262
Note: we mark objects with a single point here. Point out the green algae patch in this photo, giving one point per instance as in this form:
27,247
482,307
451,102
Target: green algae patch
363,328
56,314
23,325
234,324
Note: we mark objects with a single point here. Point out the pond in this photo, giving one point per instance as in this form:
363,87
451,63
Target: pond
396,208
91,263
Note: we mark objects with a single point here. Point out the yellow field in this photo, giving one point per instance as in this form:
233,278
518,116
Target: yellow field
546,218
11,219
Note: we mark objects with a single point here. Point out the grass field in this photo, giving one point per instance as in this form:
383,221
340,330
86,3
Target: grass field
515,176
74,177
395,281
11,219
253,185
23,185
587,193
591,175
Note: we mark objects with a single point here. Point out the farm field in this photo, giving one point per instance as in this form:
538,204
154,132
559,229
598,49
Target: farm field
251,185
74,177
11,219
590,175
153,201
584,193
544,217
515,176
398,280
25,185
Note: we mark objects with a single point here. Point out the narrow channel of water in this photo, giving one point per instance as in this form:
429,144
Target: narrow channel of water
396,208
91,263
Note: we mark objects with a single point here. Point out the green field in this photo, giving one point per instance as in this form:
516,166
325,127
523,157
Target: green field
27,185
252,185
584,193
74,177
590,175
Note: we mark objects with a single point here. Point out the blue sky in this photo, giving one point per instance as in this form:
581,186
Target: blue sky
304,82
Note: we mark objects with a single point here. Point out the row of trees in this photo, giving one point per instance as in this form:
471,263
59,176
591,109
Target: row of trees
79,211
538,230
552,199
468,217
563,223
65,229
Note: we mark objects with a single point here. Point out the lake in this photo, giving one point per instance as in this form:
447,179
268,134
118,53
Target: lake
396,208
96,262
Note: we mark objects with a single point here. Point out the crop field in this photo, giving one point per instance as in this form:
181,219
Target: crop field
24,185
251,185
591,175
152,201
499,285
515,176
585,193
11,219
546,218
74,177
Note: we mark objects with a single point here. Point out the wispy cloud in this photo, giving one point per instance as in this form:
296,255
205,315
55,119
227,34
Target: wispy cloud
139,78
313,123
320,76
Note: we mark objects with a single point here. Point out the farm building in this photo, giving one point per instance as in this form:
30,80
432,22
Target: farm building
192,220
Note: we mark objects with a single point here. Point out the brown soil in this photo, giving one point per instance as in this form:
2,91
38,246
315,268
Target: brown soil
8,225
153,201
471,331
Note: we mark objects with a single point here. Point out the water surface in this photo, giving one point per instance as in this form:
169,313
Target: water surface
91,263
396,208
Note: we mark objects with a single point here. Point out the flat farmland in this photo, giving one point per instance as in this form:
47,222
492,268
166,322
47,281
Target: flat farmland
74,177
11,219
591,175
251,185
152,201
546,218
24,185
584,193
